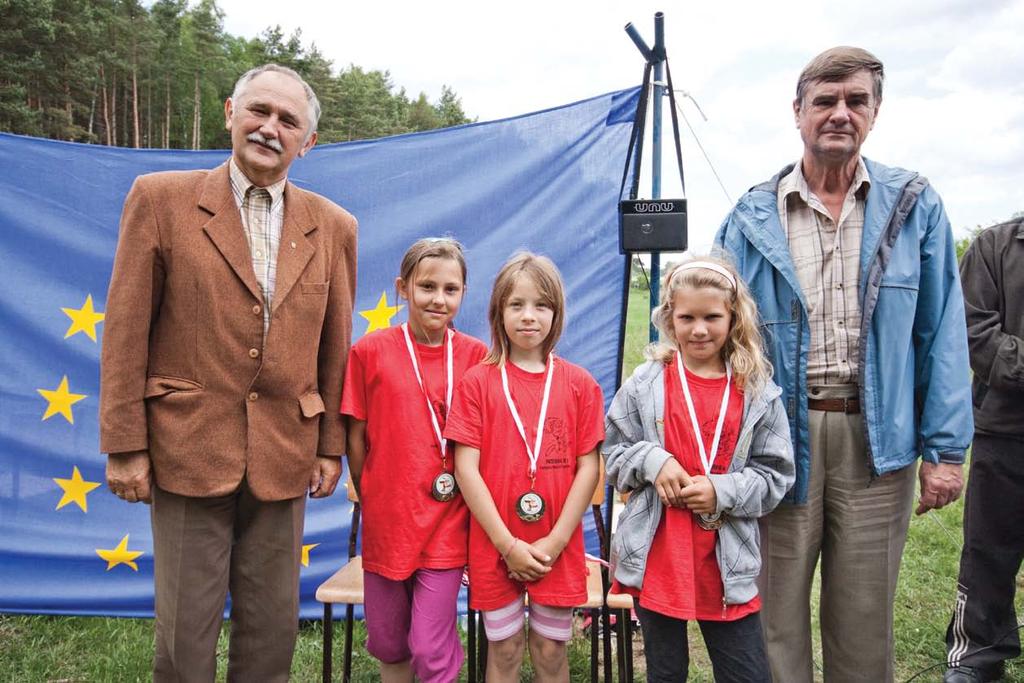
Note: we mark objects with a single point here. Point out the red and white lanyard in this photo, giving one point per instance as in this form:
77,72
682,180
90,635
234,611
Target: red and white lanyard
447,387
706,460
532,453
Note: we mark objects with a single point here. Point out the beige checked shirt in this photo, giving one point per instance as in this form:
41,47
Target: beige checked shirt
827,262
262,210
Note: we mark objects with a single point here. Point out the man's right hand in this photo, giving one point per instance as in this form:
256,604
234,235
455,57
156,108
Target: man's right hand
130,476
670,482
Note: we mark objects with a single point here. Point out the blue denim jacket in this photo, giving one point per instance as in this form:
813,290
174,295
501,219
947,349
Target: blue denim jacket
913,370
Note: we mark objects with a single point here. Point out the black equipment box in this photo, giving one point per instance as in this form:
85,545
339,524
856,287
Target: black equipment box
652,225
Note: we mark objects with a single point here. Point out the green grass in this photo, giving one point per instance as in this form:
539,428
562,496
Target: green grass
37,648
43,648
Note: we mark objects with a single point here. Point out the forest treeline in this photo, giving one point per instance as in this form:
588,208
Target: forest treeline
117,72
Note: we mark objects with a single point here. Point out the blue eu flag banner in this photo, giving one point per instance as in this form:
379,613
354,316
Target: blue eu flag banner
546,181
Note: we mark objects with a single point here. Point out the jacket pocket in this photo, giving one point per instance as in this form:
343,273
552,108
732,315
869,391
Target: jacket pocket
739,549
313,287
161,385
311,404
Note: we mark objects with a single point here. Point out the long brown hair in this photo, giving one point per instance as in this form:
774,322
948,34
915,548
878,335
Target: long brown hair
543,273
743,349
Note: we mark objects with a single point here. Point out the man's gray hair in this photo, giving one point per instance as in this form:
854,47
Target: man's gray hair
311,99
838,63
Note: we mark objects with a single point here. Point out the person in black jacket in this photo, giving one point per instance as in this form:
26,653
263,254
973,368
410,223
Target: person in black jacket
983,634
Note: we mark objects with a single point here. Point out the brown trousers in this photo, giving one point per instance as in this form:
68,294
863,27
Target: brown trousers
202,549
858,526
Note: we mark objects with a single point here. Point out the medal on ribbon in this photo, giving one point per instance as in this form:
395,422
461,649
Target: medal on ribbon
714,520
530,506
444,487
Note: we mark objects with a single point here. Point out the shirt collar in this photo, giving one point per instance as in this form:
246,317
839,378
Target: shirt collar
240,184
795,182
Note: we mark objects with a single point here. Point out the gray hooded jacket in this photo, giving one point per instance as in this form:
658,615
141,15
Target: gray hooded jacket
759,475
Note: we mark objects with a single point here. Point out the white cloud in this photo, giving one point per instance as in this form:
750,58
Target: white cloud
953,108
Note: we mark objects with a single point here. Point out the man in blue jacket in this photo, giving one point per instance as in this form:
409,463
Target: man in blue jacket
853,267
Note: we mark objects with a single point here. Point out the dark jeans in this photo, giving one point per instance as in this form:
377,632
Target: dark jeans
736,648
983,631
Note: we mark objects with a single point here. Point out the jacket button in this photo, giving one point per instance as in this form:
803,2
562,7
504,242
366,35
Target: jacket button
254,353
253,396
257,309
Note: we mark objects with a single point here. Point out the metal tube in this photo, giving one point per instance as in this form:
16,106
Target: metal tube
657,95
638,41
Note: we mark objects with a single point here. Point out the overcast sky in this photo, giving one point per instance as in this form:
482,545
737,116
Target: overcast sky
953,107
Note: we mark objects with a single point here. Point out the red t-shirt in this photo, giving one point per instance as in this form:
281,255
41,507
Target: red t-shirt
404,528
682,579
574,426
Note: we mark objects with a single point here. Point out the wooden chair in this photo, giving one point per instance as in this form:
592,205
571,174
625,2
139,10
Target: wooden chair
344,587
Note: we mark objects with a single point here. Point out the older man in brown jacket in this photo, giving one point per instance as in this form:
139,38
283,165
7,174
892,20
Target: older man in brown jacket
228,324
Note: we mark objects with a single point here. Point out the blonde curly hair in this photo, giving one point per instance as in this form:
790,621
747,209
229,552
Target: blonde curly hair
743,349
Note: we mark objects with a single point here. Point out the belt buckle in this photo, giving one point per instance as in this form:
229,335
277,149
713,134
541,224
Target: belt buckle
846,405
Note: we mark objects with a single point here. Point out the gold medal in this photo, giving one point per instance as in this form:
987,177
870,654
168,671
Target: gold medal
444,487
710,522
530,506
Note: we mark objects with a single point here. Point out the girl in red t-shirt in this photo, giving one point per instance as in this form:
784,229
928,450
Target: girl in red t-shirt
528,425
398,388
699,437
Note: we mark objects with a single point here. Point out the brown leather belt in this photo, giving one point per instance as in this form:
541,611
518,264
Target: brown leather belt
835,405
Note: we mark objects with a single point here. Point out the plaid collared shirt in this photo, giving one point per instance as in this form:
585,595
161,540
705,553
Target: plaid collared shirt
827,262
262,210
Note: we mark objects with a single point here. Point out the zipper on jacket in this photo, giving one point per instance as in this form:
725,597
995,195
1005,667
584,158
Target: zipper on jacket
893,227
796,388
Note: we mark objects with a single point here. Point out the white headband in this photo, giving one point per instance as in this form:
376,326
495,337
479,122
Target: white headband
708,265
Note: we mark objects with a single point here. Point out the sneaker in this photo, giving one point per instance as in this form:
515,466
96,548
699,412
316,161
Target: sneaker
973,674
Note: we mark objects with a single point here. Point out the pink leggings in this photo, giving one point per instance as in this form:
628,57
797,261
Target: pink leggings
415,620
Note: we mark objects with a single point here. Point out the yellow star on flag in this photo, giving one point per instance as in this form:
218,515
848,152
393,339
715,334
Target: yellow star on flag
60,401
380,316
305,553
120,555
75,490
84,319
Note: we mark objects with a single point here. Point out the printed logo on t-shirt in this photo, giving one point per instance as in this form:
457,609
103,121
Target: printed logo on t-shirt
707,430
556,444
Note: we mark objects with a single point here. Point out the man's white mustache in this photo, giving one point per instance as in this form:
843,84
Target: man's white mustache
272,143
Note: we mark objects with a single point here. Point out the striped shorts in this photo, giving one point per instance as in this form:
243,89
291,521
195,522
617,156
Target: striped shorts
554,623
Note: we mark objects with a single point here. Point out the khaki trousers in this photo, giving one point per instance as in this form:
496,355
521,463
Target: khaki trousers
858,526
202,549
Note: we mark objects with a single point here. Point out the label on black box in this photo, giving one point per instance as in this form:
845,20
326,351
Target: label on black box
652,225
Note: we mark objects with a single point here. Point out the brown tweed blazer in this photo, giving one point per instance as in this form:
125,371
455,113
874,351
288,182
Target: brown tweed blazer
185,372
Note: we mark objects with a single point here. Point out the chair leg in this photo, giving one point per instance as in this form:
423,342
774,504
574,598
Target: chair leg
620,645
471,644
349,625
328,641
595,617
482,647
606,637
629,644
